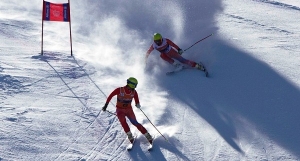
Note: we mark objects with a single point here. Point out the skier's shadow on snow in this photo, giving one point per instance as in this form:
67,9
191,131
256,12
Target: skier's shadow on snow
240,88
138,153
171,146
219,120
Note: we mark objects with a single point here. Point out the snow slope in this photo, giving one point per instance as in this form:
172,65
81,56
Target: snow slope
248,109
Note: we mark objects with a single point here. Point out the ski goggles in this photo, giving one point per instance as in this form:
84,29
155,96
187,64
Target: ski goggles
158,42
131,84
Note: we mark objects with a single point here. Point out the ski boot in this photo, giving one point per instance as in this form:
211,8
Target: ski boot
199,67
149,137
130,136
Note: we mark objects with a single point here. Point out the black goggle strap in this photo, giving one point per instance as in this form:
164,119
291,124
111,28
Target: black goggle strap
129,82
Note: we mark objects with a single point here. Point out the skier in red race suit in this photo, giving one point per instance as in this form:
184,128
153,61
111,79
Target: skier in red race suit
168,53
124,109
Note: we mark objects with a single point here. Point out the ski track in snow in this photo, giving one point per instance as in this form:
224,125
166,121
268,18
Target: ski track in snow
279,4
66,76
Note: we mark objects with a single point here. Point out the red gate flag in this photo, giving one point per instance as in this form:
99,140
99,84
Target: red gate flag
56,12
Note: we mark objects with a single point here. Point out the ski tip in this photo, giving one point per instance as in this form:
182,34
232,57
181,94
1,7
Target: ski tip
129,147
206,74
150,147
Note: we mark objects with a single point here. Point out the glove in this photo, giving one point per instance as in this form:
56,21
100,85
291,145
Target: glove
180,51
138,105
104,107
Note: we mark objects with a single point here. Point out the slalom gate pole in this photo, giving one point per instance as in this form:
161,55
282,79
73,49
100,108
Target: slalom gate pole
154,126
198,42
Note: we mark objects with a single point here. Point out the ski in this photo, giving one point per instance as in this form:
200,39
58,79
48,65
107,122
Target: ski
176,71
184,67
150,146
205,71
130,146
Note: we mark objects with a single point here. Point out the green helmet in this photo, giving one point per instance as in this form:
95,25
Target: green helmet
157,36
132,82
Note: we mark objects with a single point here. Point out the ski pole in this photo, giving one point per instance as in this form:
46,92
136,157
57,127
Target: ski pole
154,126
198,42
111,112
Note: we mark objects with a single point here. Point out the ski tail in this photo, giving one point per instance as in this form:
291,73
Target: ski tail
176,71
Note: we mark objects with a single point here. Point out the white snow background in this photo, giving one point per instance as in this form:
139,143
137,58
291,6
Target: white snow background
248,109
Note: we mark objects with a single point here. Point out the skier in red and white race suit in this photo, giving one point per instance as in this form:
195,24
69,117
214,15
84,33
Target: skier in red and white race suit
124,109
168,53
